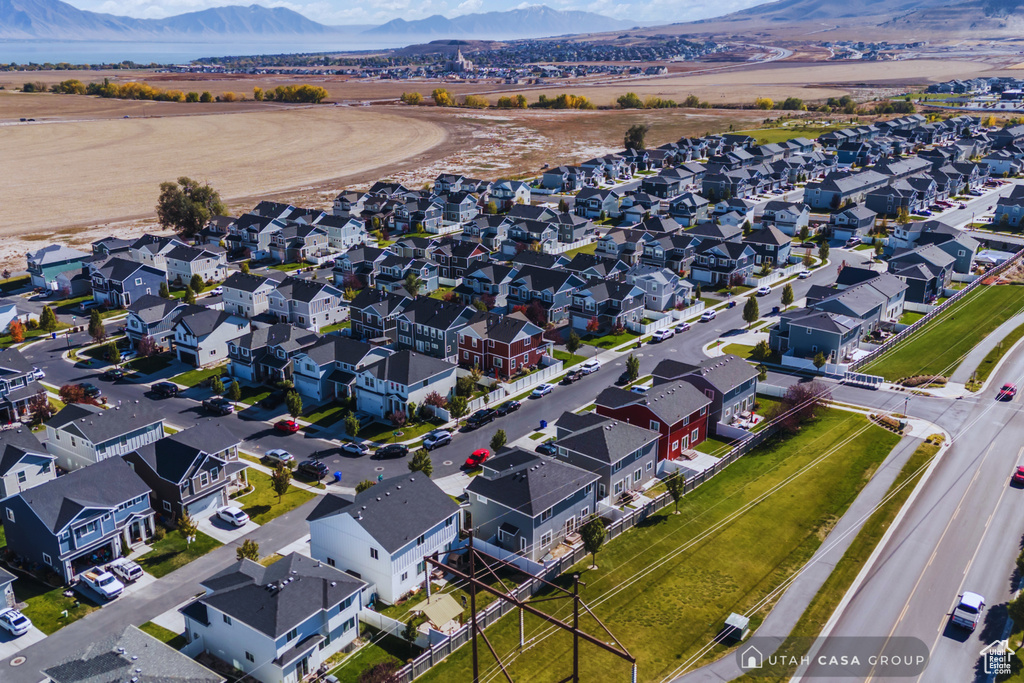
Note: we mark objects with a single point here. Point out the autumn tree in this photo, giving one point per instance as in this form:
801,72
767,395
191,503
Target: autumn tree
364,484
71,393
593,325
413,98
146,346
186,206
39,408
17,331
630,101
764,103
442,98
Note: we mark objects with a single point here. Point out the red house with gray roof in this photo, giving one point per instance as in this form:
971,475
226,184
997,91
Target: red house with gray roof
677,411
501,344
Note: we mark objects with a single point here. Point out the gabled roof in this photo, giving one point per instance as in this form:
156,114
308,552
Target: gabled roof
669,402
202,323
15,445
297,289
55,253
382,303
436,314
119,269
503,328
174,457
824,321
151,308
99,425
609,440
14,362
246,282
336,348
289,337
408,368
540,279
187,253
531,483
768,235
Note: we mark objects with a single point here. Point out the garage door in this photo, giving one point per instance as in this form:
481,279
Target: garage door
206,504
307,387
187,357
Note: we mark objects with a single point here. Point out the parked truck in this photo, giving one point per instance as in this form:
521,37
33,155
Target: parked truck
103,582
126,570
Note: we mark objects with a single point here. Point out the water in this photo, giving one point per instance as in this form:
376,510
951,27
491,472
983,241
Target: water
176,52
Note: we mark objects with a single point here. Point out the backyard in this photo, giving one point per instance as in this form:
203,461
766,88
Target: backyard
172,552
682,574
943,343
262,505
378,649
609,341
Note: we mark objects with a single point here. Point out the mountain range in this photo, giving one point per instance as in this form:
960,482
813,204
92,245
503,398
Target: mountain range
527,22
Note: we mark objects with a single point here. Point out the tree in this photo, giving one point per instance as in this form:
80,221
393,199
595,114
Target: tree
563,206
48,319
593,534
398,417
435,400
820,360
464,386
801,402
257,94
364,484
351,426
413,284
6,274
593,325
764,103
805,232
96,329
188,527
235,392
409,633
630,101
491,208
697,293
165,291
413,98
249,550
294,403
751,311
442,98
675,483
207,96
458,407
217,386
823,251
572,344
39,408
113,353
384,672
17,331
190,296
635,135
71,393
498,440
421,462
197,284
280,480
762,373
787,295
761,351
187,205
632,367
146,346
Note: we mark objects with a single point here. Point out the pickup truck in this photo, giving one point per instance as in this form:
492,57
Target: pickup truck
103,582
125,569
967,612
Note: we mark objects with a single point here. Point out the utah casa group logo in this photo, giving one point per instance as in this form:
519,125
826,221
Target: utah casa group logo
839,657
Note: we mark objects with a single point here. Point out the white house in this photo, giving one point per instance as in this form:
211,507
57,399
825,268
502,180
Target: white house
152,250
383,534
308,304
184,262
391,383
24,463
343,232
246,294
278,624
81,434
201,338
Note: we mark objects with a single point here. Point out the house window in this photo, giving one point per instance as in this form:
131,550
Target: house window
675,444
373,553
167,505
694,435
522,544
638,475
47,559
138,280
249,657
546,515
204,479
227,619
293,634
405,576
22,477
649,466
330,562
421,539
545,539
617,466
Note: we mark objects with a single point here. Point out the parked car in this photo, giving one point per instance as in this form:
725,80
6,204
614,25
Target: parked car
804,274
355,448
279,456
708,316
287,426
541,390
37,373
478,458
113,374
967,612
314,468
126,570
273,400
507,407
572,376
764,290
220,406
165,389
1007,393
682,327
217,291
622,379
90,390
548,447
925,212
437,438
1018,475
103,582
14,622
662,335
392,450
232,515
638,390
481,417
590,366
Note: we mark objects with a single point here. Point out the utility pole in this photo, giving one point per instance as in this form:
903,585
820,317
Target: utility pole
472,606
575,628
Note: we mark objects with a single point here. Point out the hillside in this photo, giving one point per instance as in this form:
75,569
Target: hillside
528,22
998,16
815,10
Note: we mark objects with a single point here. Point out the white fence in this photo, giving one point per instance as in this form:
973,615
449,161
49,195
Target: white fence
391,626
691,312
833,369
489,399
965,277
659,321
916,307
774,276
542,375
562,247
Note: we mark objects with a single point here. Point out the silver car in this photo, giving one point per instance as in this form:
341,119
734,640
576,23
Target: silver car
14,622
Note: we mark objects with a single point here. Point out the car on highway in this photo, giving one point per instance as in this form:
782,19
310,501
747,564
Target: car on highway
314,468
764,290
113,374
547,448
481,417
541,390
804,274
661,335
590,366
287,426
708,316
682,327
165,389
508,407
14,622
1007,393
1018,475
279,456
355,448
478,458
90,390
392,450
220,406
437,438
967,612
232,515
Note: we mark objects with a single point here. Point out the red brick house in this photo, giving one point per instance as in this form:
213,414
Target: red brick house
501,344
678,412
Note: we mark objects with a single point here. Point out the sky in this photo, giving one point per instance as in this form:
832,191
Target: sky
342,12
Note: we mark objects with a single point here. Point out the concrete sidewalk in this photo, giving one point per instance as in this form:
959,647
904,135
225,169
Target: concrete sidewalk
973,359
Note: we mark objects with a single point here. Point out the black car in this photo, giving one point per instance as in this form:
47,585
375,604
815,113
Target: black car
392,450
507,407
314,468
90,390
547,448
273,400
572,376
113,374
481,417
623,379
221,406
165,389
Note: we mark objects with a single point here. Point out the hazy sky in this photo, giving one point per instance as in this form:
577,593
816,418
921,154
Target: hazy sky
359,12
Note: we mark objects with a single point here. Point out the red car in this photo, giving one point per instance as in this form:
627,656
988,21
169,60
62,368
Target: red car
1018,475
1007,392
287,426
478,457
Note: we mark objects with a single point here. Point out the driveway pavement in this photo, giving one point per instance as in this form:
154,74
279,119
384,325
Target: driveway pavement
10,646
215,527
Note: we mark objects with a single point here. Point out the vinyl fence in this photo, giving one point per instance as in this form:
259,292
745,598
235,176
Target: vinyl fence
562,247
774,276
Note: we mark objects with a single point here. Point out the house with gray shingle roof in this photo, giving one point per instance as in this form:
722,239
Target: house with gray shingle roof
45,264
184,262
118,282
265,354
382,534
327,369
245,294
24,462
154,316
390,384
926,269
306,303
82,434
623,455
806,332
501,345
201,338
770,245
276,623
613,303
728,380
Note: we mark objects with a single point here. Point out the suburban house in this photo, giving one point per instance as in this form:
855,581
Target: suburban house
770,245
487,281
264,355
252,234
662,186
307,303
374,314
45,264
327,369
563,178
24,462
729,381
722,263
455,257
839,189
853,221
593,266
80,520
17,384
611,302
118,282
191,472
390,384
553,289
662,288
806,332
383,533
432,327
954,242
926,269
152,250
279,623
592,202
677,411
623,455
246,294
343,232
184,263
153,316
528,504
1010,209
789,217
201,338
395,272
507,193
81,435
299,242
689,209
500,345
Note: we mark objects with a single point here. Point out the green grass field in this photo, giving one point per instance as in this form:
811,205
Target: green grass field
46,605
774,135
941,346
665,587
173,552
262,505
191,378
164,635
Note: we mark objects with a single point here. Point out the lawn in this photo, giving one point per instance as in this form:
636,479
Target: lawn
344,325
568,360
11,284
741,350
46,605
326,415
149,364
30,335
609,341
191,378
714,446
942,344
683,574
440,292
585,249
164,635
287,267
252,395
378,431
990,361
173,552
776,135
262,504
376,651
910,317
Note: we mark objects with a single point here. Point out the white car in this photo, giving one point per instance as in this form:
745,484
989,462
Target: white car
592,365
232,515
125,569
280,456
37,373
764,291
804,274
542,390
216,291
355,448
14,622
662,335
638,390
708,316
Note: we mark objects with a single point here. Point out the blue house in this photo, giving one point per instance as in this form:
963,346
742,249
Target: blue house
770,245
119,282
80,520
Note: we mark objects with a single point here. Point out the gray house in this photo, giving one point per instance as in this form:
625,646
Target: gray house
853,221
153,316
24,462
926,269
528,504
807,332
770,245
729,381
624,456
81,435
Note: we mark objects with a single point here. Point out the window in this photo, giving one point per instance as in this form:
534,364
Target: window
545,539
22,477
249,657
330,561
373,553
522,543
638,475
546,515
405,576
694,435
421,539
293,634
448,522
167,505
617,466
655,427
138,280
204,479
584,513
649,466
47,559
227,619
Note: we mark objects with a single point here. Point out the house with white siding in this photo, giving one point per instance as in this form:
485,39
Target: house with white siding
184,262
390,384
81,434
201,338
24,463
306,303
246,294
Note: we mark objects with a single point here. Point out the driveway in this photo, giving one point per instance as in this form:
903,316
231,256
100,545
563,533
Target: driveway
10,646
215,527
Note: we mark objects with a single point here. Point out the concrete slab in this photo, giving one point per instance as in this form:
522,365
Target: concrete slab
10,646
172,619
300,546
216,528
139,584
454,484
